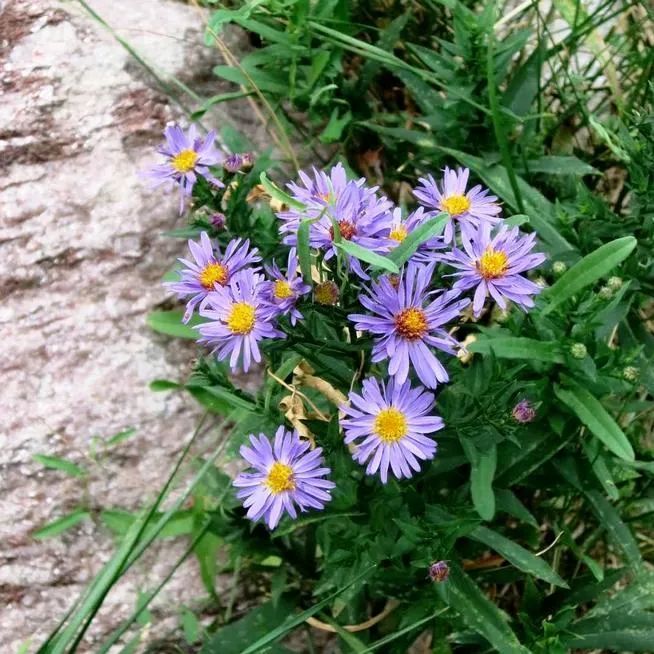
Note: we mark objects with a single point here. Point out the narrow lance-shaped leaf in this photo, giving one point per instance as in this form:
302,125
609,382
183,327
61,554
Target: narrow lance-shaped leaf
592,414
56,463
368,256
517,347
517,555
304,249
430,228
479,613
592,267
56,527
275,192
482,471
170,323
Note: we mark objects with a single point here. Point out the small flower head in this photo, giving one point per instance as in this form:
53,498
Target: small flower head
469,209
286,475
208,269
559,267
605,293
631,374
523,412
218,220
187,157
247,160
233,163
493,265
408,321
390,425
238,319
326,293
615,283
578,351
330,199
284,289
439,571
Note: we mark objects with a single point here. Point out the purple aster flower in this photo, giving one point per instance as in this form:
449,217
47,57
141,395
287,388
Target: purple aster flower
493,266
392,424
284,290
286,475
408,321
238,320
470,208
187,156
361,215
209,269
399,228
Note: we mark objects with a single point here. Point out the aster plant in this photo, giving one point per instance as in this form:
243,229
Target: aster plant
393,348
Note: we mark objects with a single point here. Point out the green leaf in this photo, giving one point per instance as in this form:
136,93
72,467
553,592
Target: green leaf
516,220
618,531
334,129
235,637
304,249
517,555
479,613
275,192
170,323
160,385
291,622
517,347
224,397
593,266
120,437
430,228
61,524
556,165
508,502
56,463
592,414
482,472
631,631
368,256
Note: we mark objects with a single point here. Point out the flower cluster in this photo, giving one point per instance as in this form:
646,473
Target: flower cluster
411,316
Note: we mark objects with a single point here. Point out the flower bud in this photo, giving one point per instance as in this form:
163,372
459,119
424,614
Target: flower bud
615,283
559,267
540,281
631,374
439,571
605,293
523,412
233,163
247,159
218,220
326,293
578,350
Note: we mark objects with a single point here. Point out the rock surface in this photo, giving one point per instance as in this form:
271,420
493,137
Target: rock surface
81,266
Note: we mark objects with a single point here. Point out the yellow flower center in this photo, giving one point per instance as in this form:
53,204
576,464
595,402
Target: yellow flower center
280,478
185,161
282,289
326,197
411,323
214,273
493,264
399,233
455,205
390,425
241,318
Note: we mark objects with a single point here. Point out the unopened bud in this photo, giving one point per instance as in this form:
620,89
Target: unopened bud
439,571
233,163
540,281
615,283
578,350
605,293
631,374
218,220
326,293
559,267
523,412
247,159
